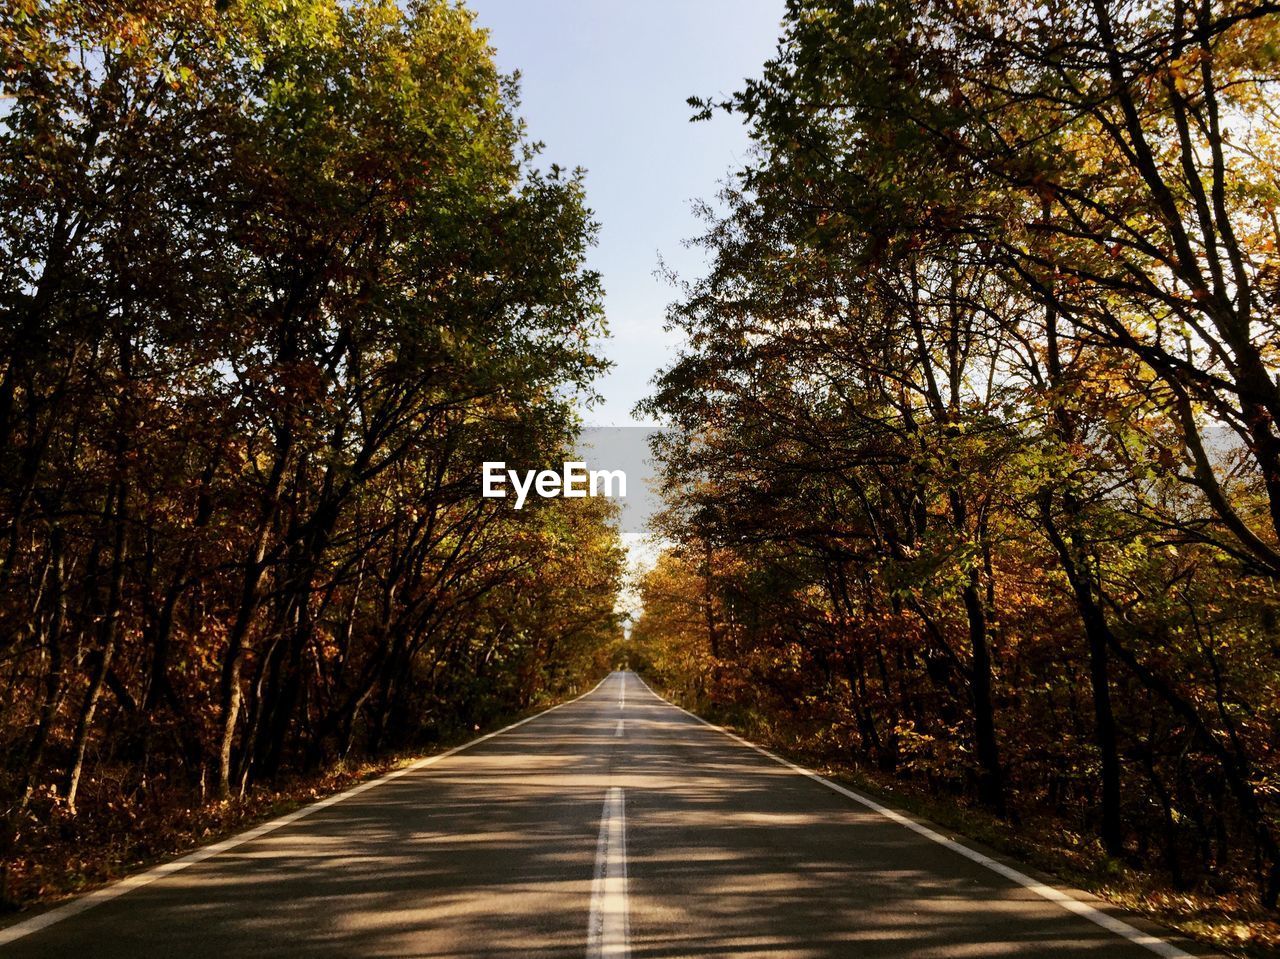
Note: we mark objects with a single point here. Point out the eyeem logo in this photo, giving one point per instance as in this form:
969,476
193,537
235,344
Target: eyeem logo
574,480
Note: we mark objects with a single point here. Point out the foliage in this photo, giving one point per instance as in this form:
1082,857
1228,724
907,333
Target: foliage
973,465
276,278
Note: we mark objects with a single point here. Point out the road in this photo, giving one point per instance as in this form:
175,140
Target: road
616,825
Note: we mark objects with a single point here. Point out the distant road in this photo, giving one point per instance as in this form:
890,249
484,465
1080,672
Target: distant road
616,825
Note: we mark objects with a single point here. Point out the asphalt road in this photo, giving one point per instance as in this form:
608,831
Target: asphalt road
615,825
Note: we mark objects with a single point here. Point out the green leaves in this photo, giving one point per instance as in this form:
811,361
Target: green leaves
981,375
278,276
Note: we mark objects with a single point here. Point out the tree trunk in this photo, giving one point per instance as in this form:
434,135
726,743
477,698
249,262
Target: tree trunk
990,773
110,635
53,678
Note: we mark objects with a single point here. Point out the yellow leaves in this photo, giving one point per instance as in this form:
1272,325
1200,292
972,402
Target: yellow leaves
1185,71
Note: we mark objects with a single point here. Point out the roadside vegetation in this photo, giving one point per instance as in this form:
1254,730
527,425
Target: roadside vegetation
974,470
276,278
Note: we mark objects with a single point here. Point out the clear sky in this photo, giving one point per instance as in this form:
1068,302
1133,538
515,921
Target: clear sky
604,84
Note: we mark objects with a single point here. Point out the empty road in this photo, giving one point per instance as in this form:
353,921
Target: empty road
615,825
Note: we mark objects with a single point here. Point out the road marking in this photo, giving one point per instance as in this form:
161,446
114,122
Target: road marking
116,889
607,927
622,693
1070,903
618,731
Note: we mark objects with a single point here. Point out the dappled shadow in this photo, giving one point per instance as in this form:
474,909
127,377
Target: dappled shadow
734,855
491,854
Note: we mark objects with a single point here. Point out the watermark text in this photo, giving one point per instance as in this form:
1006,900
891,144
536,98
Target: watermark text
573,481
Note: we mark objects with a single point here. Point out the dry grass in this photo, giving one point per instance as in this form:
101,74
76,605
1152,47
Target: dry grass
1232,922
56,855
53,855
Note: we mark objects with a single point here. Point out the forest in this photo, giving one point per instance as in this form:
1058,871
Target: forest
973,477
277,276
970,459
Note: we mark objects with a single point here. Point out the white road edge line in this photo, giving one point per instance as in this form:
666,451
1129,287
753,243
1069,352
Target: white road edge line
607,927
1070,903
128,884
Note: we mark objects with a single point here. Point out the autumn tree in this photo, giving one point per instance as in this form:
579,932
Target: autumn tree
987,351
276,280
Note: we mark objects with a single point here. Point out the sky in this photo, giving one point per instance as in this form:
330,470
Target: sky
604,85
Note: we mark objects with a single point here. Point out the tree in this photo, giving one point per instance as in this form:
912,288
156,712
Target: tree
276,280
983,345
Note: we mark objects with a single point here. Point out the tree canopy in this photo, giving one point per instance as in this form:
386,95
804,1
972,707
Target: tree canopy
277,276
974,468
